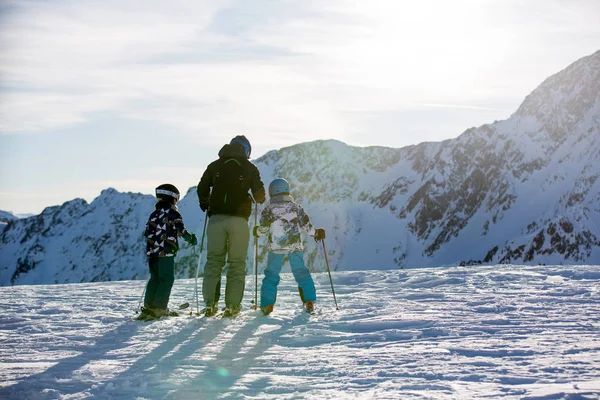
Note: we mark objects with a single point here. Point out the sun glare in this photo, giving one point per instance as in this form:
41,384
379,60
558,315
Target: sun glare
420,47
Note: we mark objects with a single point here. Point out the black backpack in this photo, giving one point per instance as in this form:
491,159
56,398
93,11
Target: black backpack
229,190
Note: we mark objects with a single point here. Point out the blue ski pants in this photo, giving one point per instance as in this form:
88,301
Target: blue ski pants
162,276
268,290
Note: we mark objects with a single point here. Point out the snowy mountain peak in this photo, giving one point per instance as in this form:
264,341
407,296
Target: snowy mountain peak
563,100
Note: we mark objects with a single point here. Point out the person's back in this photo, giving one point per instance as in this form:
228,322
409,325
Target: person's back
285,220
224,186
162,229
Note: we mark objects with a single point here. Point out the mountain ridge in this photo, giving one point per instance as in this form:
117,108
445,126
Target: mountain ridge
525,189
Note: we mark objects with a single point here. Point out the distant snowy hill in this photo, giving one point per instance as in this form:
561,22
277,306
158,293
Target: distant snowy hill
524,190
6,216
25,215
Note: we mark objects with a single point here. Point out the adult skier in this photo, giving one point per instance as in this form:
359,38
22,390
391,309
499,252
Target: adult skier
223,192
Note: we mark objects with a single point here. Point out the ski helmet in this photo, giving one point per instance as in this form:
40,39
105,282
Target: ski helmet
167,192
279,186
241,139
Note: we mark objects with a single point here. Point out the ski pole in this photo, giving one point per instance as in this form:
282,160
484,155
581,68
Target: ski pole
198,265
255,258
139,307
194,257
329,272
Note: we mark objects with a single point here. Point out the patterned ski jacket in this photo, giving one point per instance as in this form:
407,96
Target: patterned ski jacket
162,229
284,220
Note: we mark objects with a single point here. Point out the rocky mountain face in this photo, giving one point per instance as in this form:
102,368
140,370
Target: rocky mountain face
524,190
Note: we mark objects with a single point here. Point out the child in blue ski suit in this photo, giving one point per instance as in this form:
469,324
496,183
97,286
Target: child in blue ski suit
162,229
283,220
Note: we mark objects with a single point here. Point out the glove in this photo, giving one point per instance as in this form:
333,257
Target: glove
203,206
319,234
255,231
193,239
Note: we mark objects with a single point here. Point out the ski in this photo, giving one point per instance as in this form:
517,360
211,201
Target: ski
223,313
202,314
308,308
150,316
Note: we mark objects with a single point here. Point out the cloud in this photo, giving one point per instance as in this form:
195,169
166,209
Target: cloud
64,62
100,83
275,69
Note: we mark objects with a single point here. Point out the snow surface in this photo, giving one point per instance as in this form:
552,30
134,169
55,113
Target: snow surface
509,331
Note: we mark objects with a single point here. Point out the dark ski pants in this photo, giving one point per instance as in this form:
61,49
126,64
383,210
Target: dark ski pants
162,276
227,240
268,290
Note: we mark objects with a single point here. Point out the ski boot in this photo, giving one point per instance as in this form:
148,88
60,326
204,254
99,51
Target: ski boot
144,315
267,309
310,307
211,310
231,311
149,314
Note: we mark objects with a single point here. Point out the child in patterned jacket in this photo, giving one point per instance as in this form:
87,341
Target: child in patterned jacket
163,228
284,220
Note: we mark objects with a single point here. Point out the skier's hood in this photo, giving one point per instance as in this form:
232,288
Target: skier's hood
235,150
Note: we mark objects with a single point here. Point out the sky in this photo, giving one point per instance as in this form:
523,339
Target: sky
134,94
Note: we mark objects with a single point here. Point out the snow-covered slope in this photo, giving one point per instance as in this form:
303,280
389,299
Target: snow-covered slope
497,332
522,190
